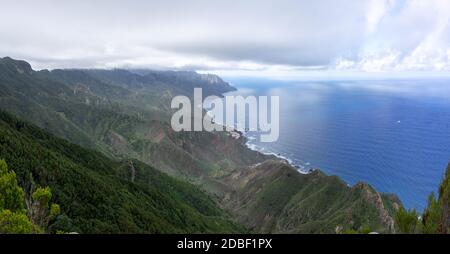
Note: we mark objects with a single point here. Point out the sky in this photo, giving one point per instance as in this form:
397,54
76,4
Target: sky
231,37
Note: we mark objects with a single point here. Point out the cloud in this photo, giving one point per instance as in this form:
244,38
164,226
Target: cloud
376,10
260,36
412,36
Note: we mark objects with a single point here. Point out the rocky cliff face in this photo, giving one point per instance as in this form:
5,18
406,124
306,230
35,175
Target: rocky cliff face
375,198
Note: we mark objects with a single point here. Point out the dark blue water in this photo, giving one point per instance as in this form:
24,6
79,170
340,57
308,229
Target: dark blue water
394,135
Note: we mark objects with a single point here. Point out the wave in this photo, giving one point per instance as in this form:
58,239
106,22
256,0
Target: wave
302,167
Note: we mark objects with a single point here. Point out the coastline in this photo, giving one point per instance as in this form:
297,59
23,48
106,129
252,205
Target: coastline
250,140
302,169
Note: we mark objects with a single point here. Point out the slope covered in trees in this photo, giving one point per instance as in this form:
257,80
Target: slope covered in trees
100,195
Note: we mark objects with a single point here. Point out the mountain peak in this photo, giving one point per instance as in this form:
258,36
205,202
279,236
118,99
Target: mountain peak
19,66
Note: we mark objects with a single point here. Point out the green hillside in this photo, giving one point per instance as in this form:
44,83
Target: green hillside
100,195
274,198
124,115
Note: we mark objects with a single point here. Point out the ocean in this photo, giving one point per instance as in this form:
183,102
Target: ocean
392,134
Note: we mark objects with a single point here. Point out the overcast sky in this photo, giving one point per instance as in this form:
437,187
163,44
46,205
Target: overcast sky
236,36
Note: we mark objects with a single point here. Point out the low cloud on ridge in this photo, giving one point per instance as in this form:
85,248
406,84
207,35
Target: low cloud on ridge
267,36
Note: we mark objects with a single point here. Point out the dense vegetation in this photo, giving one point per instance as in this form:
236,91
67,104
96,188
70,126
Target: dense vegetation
14,216
97,194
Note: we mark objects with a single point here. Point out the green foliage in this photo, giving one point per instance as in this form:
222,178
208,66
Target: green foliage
11,195
63,224
436,218
39,210
363,230
16,223
42,196
407,221
444,200
366,230
55,210
349,232
13,219
432,216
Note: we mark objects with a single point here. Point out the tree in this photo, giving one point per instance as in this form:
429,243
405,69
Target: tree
13,218
39,209
407,221
444,202
432,217
16,223
11,195
62,224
